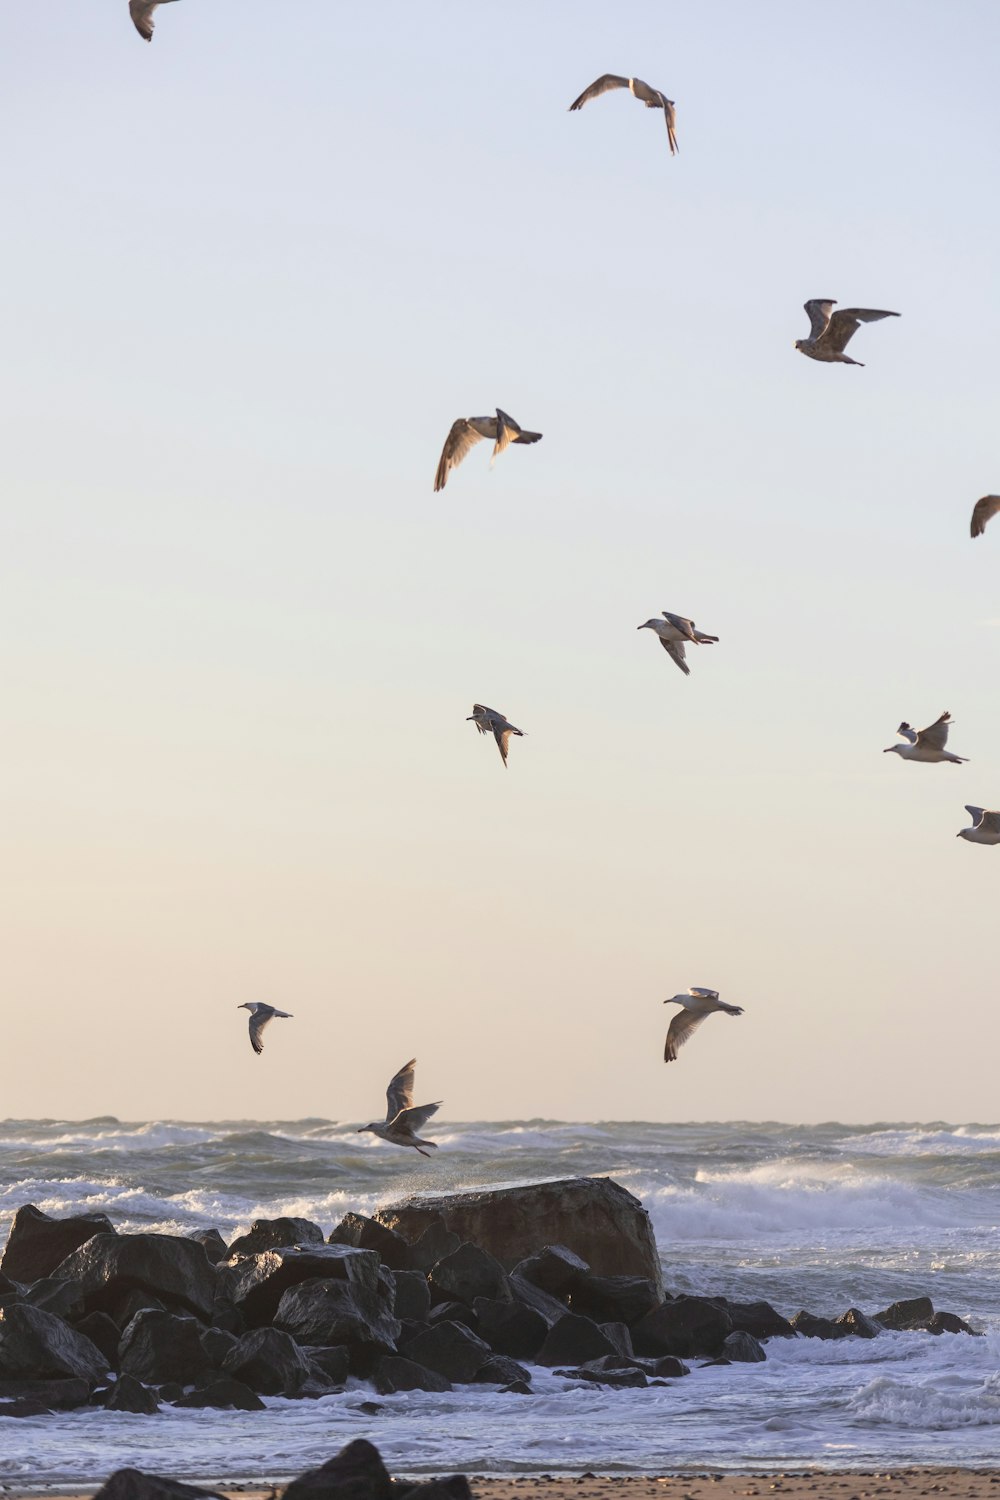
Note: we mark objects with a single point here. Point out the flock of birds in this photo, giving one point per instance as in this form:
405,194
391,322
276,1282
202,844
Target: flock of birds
830,332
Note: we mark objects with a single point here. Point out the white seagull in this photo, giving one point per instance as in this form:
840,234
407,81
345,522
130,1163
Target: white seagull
402,1121
926,744
674,631
141,12
831,331
260,1014
984,510
501,430
489,721
650,97
698,1003
985,826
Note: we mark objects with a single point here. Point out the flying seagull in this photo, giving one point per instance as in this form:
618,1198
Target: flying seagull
651,98
488,721
141,12
926,744
698,1003
985,826
260,1014
674,631
402,1121
831,331
502,430
983,511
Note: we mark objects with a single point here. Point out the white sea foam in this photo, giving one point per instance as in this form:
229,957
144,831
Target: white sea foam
927,1407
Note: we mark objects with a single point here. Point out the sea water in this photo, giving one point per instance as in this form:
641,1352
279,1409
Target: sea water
820,1217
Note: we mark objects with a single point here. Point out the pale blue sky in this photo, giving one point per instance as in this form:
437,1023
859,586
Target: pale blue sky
253,272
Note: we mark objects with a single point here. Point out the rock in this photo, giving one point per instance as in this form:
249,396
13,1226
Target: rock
171,1391
123,1304
225,1394
574,1340
212,1243
394,1373
555,1269
855,1321
157,1347
685,1326
618,1335
133,1484
455,1487
268,1361
451,1350
468,1273
946,1322
357,1473
260,1281
541,1302
614,1299
432,1245
368,1234
518,1388
592,1216
818,1328
63,1299
668,1366
168,1266
623,1379
510,1327
369,1408
24,1409
452,1312
323,1312
501,1370
216,1344
37,1243
334,1362
104,1333
413,1295
912,1313
50,1395
275,1234
742,1348
129,1394
760,1319
38,1346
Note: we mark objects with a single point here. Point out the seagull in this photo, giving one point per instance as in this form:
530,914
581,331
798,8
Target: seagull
402,1121
983,511
487,720
141,12
502,430
698,1003
926,744
651,98
260,1014
674,633
831,332
985,826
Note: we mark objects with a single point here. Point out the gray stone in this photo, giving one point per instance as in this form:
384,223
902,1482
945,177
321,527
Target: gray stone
914,1312
38,1243
38,1346
555,1269
529,1295
413,1295
225,1394
394,1373
133,1484
129,1394
452,1312
614,1299
368,1234
510,1328
450,1349
855,1321
259,1282
158,1347
501,1370
105,1333
356,1473
432,1245
217,1343
760,1319
268,1361
63,1299
818,1328
323,1312
742,1348
333,1361
468,1273
274,1234
618,1335
946,1322
573,1341
51,1395
168,1266
212,1243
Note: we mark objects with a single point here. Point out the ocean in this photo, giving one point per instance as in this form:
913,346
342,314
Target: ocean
819,1217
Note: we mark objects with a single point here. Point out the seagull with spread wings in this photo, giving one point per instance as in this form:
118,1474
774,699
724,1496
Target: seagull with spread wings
985,826
697,1004
402,1120
831,332
984,510
650,97
489,721
260,1015
926,744
141,12
674,632
501,430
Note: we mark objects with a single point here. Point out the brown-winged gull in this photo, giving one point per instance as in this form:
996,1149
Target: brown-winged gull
697,1004
985,826
674,631
650,97
489,721
831,331
984,510
141,12
260,1014
926,744
501,430
402,1121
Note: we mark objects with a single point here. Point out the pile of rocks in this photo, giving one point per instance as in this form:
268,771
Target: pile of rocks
417,1298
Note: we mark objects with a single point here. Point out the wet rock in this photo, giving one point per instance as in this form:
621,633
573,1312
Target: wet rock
468,1273
614,1299
518,1388
413,1295
573,1341
510,1327
259,1282
914,1312
333,1361
618,1335
946,1322
129,1394
759,1319
24,1409
501,1370
668,1366
529,1295
268,1361
432,1245
216,1344
225,1394
818,1328
170,1391
452,1312
455,1487
212,1243
50,1395
37,1346
627,1378
368,1234
450,1349
742,1348
357,1473
104,1333
133,1484
324,1312
38,1243
554,1269
157,1347
275,1234
685,1326
123,1304
855,1321
168,1266
63,1299
394,1373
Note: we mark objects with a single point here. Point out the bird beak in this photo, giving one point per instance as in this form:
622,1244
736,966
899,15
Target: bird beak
887,749
641,627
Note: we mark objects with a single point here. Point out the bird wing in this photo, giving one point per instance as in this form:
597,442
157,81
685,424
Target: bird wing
686,627
460,439
502,733
675,649
908,732
670,115
141,12
399,1094
680,1028
845,324
975,813
983,511
818,310
507,432
415,1119
935,736
990,821
602,85
701,993
258,1021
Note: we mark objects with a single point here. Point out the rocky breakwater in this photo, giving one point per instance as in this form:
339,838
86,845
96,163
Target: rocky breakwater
406,1300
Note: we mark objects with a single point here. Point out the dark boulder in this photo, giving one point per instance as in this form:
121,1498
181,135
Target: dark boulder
258,1282
685,1326
432,1245
133,1484
35,1345
37,1243
468,1273
742,1348
818,1328
759,1319
269,1361
452,1312
455,1487
357,1473
129,1394
510,1327
368,1234
323,1312
274,1234
212,1243
394,1373
63,1299
123,1304
668,1366
914,1312
50,1395
157,1347
573,1341
518,1388
529,1295
501,1370
946,1322
592,1216
104,1332
225,1394
413,1295
627,1378
555,1269
333,1361
170,1267
217,1343
614,1299
24,1409
450,1349
855,1321
618,1335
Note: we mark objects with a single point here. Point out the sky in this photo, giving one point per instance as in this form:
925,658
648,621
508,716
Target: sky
251,274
